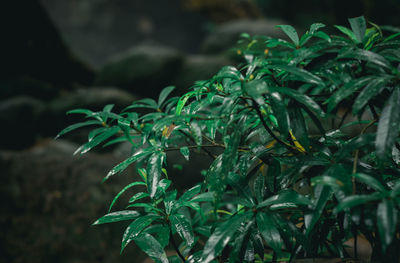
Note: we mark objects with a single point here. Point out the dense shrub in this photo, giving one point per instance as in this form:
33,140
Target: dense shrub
287,180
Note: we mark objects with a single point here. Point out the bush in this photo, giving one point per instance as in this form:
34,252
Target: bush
286,180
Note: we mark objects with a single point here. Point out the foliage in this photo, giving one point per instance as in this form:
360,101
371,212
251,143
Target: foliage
283,183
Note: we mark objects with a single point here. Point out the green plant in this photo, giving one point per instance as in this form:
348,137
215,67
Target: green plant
286,181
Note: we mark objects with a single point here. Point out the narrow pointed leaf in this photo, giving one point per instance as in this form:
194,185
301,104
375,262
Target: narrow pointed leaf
388,126
301,74
117,216
371,90
370,181
164,95
285,197
123,165
359,26
154,166
269,232
185,152
136,227
298,125
366,55
290,32
315,27
347,32
183,227
356,200
123,191
322,196
190,193
221,237
138,196
387,222
280,112
302,99
151,247
346,90
78,125
98,139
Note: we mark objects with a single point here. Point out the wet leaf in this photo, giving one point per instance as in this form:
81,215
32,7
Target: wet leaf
117,216
388,126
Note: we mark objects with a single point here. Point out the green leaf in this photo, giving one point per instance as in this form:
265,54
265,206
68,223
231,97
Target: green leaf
259,187
241,243
323,36
185,152
388,126
366,55
370,181
138,196
351,145
269,232
373,88
386,218
136,227
182,101
347,32
204,197
286,196
117,216
356,200
315,27
298,125
301,74
109,132
154,166
280,112
255,89
359,26
88,113
347,89
290,32
195,131
183,227
143,103
151,247
302,99
78,125
322,195
123,165
328,181
123,191
190,193
221,237
164,94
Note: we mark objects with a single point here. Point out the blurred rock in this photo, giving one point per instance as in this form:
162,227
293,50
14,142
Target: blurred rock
98,29
198,67
51,198
144,69
20,119
94,99
226,35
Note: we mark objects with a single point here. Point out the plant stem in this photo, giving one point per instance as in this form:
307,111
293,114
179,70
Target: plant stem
268,129
204,149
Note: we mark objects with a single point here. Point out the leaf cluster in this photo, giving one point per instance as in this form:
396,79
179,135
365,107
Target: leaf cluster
282,184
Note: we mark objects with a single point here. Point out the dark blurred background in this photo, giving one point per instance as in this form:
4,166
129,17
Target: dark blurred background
58,55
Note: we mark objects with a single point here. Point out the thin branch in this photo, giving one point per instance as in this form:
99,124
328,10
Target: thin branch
204,149
269,130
